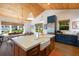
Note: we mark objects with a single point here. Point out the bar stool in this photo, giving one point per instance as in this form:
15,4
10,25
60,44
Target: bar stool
1,40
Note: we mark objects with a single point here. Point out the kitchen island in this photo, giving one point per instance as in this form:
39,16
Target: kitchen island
29,45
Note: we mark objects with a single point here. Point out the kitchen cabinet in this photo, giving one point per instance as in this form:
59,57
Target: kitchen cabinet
68,39
47,50
17,51
52,43
77,43
34,51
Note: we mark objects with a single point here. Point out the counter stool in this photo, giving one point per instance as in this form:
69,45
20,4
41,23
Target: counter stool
1,40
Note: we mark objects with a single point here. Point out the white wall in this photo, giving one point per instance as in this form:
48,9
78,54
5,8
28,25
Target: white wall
42,18
61,15
27,28
73,15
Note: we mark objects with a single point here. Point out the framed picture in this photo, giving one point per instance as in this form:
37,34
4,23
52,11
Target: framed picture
75,25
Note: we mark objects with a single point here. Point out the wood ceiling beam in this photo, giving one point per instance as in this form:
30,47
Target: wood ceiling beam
58,6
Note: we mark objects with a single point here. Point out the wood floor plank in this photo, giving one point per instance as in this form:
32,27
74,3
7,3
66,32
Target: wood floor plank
62,49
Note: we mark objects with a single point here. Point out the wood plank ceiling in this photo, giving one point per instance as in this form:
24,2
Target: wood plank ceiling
59,6
21,11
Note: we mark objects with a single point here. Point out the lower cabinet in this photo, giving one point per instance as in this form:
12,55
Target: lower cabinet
52,43
34,51
77,44
68,39
47,50
17,51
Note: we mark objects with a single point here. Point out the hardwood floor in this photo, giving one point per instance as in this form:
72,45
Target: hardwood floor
60,50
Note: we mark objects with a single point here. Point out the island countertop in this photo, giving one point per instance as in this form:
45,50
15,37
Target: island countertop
29,41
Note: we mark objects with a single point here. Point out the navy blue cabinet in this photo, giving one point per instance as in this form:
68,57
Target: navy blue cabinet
77,43
68,39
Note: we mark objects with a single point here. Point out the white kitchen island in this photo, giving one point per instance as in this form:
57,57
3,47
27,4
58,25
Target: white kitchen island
30,45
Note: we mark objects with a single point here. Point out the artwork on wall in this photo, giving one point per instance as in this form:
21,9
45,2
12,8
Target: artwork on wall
75,24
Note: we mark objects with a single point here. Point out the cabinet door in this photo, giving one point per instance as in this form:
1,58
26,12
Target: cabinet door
58,37
34,51
16,50
47,50
77,43
70,39
22,52
52,44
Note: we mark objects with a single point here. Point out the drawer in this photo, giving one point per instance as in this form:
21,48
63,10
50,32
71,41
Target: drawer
34,51
33,54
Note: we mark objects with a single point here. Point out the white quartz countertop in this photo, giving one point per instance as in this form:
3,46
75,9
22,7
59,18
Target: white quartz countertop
29,41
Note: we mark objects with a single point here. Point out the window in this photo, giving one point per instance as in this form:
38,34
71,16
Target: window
17,29
64,25
39,27
5,29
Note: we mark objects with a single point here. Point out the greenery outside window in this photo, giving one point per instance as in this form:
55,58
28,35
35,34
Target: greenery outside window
16,30
6,29
64,25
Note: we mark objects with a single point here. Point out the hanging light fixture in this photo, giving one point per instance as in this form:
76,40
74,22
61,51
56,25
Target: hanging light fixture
48,3
30,16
